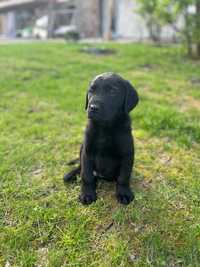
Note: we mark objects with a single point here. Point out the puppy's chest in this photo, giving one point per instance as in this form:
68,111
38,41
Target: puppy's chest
104,142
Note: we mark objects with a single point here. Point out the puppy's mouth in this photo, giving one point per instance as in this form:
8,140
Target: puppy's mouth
99,118
94,115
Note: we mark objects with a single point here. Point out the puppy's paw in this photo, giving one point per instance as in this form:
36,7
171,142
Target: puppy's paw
87,198
124,195
68,177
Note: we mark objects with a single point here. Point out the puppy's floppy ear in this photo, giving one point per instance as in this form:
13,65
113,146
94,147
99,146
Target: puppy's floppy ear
86,101
131,97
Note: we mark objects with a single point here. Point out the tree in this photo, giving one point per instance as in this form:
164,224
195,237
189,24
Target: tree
168,12
148,9
189,10
197,33
108,20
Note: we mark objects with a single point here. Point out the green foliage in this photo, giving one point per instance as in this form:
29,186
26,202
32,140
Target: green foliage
169,12
42,120
148,9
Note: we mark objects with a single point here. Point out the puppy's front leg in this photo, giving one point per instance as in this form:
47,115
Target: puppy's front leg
123,190
88,183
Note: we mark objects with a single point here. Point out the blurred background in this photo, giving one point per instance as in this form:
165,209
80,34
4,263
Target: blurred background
135,20
106,19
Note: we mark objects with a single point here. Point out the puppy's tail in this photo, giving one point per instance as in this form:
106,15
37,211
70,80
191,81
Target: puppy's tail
72,175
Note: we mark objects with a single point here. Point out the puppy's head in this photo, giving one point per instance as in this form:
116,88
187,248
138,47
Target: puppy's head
108,96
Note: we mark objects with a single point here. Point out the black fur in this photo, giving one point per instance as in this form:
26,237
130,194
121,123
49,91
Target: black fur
107,150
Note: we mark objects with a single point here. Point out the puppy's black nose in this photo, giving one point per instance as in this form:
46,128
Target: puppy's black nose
94,108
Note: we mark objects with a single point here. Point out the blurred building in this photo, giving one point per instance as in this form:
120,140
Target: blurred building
16,15
118,19
91,18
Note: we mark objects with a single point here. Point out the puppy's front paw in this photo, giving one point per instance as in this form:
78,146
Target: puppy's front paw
87,198
88,193
124,195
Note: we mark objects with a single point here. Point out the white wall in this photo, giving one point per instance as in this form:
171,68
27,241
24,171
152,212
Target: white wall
129,23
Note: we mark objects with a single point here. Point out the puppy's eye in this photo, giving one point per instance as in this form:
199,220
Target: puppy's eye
91,89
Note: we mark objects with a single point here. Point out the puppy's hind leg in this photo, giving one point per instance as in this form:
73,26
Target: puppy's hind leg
68,177
73,162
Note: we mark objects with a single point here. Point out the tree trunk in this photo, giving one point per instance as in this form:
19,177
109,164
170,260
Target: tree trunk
154,31
198,26
51,18
108,24
187,35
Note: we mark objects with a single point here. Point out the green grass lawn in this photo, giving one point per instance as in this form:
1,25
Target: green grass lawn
42,121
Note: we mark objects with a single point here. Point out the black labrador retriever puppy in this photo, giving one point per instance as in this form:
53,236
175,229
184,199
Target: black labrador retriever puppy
107,150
